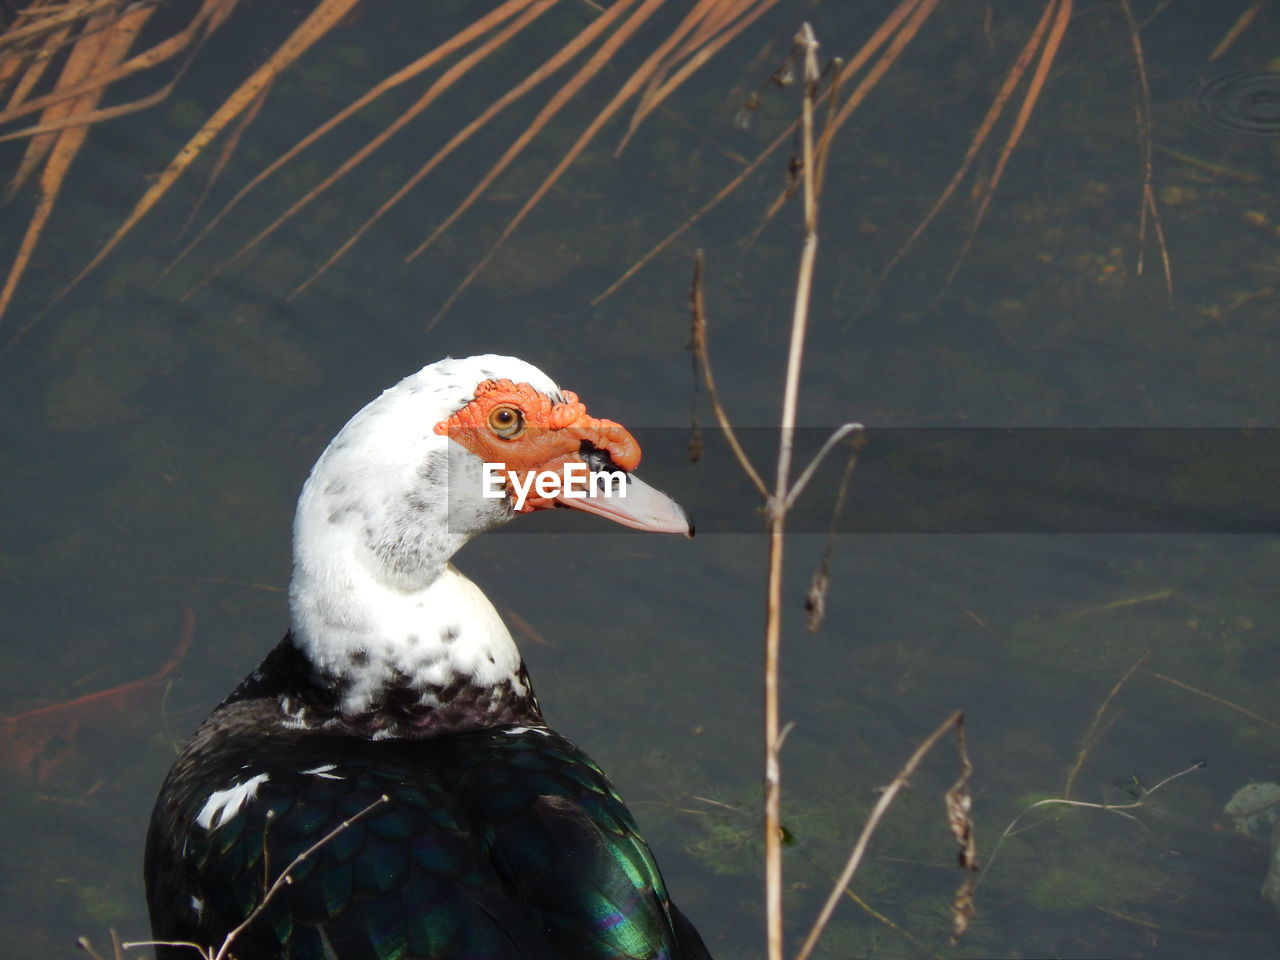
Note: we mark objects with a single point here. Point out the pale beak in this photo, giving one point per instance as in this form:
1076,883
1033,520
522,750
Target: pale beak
632,503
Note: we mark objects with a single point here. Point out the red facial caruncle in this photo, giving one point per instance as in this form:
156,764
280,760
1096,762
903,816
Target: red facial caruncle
523,430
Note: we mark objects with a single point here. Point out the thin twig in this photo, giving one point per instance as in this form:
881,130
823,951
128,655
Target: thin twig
841,432
286,875
815,601
701,355
887,797
1117,808
905,934
1087,742
285,878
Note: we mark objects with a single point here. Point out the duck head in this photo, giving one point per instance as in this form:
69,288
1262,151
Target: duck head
456,449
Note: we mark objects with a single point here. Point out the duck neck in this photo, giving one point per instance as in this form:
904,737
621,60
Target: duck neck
400,652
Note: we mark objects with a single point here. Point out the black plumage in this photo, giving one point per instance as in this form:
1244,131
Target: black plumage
493,842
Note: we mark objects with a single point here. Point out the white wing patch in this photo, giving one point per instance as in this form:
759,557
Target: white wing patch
222,805
517,730
322,771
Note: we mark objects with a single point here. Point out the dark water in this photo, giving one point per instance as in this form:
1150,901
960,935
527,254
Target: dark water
153,446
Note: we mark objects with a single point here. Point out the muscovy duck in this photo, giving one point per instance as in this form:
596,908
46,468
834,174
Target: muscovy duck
398,704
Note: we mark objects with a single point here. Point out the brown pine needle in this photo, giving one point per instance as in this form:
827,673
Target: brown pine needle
34,72
96,50
701,24
1149,209
225,154
88,118
68,14
211,15
715,201
703,44
628,90
708,27
566,53
10,67
1240,26
56,151
1011,81
1226,703
429,59
1061,10
79,63
447,80
326,14
553,106
1091,735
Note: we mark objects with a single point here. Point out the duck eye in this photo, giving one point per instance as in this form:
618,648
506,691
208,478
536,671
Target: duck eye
506,421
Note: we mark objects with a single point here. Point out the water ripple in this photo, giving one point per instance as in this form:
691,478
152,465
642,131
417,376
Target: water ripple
1245,102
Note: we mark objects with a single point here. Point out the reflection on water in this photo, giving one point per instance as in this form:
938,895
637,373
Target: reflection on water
153,447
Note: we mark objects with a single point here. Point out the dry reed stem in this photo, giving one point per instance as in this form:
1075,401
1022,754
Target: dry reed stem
629,88
1142,109
1226,703
316,25
887,796
777,512
894,33
1061,11
549,66
460,39
447,80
